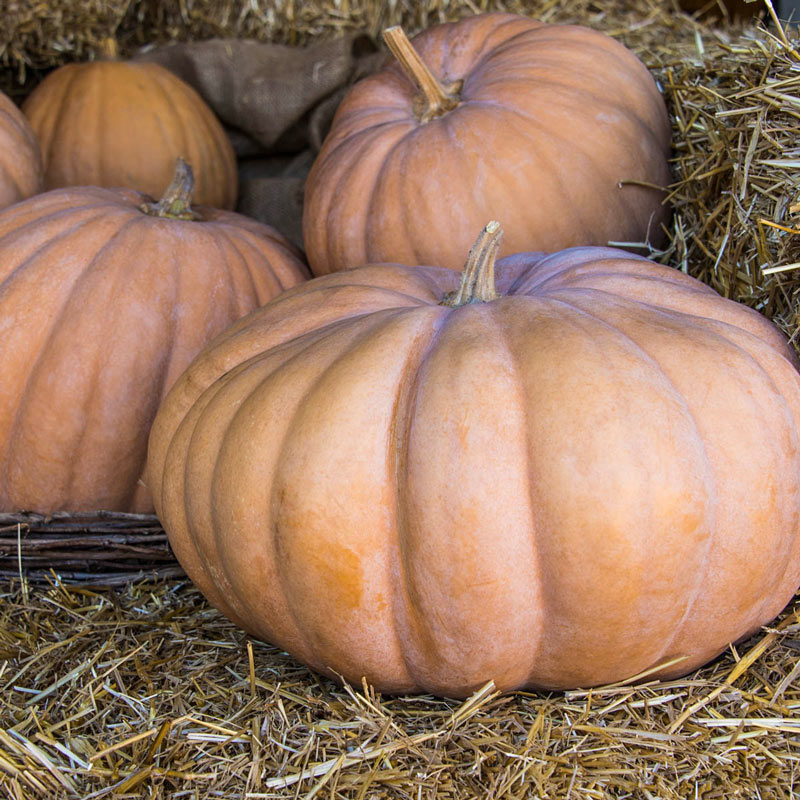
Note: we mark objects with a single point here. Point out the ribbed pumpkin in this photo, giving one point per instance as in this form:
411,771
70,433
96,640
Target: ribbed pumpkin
589,472
105,297
558,130
117,123
20,157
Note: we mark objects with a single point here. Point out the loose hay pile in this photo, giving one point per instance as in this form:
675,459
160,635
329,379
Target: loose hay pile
148,692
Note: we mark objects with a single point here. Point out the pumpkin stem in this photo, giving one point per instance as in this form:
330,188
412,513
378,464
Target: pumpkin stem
477,279
176,202
109,50
436,99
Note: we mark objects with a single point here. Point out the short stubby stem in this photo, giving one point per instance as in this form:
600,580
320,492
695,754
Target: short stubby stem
477,279
109,49
435,100
176,202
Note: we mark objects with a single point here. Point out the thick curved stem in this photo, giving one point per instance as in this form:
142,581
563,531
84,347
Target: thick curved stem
176,202
436,99
477,279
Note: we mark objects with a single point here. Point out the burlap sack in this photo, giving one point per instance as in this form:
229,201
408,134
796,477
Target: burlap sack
277,103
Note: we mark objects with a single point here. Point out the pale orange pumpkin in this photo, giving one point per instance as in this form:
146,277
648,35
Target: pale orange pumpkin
117,123
20,156
558,130
590,472
105,297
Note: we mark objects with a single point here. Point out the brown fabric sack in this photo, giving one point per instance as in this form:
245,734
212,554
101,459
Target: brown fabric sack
277,103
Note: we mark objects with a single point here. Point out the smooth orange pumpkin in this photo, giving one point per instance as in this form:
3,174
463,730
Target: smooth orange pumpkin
20,156
116,123
558,130
591,471
105,297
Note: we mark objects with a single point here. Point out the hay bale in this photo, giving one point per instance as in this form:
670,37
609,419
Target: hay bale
733,93
42,35
734,104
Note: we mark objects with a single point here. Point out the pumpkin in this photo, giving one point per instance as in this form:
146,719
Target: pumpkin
116,123
20,157
105,297
562,471
558,130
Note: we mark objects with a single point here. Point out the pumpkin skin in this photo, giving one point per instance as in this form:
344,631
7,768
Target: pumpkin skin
20,156
590,476
551,119
101,308
123,124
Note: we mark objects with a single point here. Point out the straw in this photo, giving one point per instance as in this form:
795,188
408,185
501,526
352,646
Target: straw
147,692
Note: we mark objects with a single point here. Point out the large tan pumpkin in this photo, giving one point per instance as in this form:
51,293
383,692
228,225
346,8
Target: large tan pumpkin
595,473
20,156
102,306
119,123
553,129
